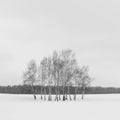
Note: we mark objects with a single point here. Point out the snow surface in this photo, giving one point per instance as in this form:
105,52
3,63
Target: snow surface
93,107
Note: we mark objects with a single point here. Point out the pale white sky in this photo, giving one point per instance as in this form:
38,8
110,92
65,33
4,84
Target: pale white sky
34,28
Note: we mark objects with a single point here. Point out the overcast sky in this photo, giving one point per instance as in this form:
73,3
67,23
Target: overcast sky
32,29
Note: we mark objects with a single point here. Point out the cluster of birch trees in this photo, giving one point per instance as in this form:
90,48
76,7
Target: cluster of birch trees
59,70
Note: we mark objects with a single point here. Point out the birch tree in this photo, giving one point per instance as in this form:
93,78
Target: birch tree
85,79
69,61
29,76
44,74
55,73
49,76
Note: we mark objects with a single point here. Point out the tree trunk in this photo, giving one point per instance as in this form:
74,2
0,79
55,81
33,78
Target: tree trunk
63,93
41,93
59,93
75,93
34,95
50,97
44,93
83,92
66,93
66,97
56,91
69,93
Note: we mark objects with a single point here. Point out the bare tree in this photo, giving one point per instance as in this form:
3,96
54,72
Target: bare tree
49,76
75,81
81,80
44,74
29,76
70,63
40,79
55,72
85,79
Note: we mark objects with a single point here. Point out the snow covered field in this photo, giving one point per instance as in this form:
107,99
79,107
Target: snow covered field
93,107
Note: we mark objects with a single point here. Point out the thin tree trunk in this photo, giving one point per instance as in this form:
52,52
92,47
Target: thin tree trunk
56,85
49,98
59,93
63,93
44,93
34,95
41,93
83,92
56,91
66,97
69,92
75,93
66,93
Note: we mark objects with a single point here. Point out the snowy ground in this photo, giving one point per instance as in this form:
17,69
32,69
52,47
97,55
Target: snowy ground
94,107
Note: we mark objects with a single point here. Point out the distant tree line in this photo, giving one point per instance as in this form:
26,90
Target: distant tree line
26,89
60,70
